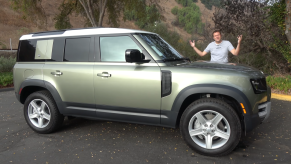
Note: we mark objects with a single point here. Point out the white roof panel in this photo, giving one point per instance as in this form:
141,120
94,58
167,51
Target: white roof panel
80,32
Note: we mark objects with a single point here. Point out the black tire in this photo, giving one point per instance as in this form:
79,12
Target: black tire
230,118
56,119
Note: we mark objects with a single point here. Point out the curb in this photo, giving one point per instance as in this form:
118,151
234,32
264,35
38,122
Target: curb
7,89
281,97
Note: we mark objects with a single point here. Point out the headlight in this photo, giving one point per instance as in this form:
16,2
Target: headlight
259,85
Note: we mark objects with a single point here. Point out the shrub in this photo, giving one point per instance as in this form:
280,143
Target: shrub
6,78
175,10
7,64
186,3
3,46
209,3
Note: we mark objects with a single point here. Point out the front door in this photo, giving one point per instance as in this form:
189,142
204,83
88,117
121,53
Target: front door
126,91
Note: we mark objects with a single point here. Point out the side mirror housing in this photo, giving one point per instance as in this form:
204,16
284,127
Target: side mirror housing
134,56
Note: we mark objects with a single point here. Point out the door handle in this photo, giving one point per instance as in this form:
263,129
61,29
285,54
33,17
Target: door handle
57,73
104,74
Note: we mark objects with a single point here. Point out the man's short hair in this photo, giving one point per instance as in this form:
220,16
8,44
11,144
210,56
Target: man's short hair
217,30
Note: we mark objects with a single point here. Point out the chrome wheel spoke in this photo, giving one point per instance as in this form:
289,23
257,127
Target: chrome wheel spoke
46,116
40,122
222,134
196,132
34,105
42,106
208,141
200,118
32,115
216,119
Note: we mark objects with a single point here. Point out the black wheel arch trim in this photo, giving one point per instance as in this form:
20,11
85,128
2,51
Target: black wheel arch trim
28,83
46,85
238,95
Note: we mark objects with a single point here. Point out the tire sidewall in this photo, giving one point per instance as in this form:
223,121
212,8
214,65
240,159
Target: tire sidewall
229,115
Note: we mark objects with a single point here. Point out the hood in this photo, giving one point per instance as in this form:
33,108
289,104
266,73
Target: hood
240,68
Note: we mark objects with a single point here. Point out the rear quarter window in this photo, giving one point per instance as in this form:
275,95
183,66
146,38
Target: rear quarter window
27,50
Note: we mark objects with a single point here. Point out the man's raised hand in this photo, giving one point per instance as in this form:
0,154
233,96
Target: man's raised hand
192,44
239,38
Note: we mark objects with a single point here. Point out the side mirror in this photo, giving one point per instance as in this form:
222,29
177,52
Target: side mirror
134,56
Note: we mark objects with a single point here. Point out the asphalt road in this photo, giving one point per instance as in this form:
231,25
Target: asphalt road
88,141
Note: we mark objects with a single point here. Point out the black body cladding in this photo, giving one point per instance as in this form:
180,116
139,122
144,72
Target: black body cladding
166,83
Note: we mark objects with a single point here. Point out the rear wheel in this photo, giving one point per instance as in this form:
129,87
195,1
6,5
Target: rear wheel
41,112
210,127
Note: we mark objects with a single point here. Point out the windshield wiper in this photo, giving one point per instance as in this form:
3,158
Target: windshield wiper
176,59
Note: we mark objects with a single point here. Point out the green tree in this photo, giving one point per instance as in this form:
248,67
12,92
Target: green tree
151,17
92,10
190,18
209,3
287,14
280,13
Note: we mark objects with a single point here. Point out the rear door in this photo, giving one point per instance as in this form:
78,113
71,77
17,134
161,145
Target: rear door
126,91
70,72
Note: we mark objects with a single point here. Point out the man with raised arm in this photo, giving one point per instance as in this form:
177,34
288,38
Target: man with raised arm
218,48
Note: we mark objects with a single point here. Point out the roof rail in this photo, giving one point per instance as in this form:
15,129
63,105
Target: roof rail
84,28
58,32
49,31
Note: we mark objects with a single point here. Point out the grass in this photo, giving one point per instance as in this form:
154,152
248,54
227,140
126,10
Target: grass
280,83
6,78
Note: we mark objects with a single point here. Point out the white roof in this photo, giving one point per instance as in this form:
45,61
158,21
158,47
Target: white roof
78,32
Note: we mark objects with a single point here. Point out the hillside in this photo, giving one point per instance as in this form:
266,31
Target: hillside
13,26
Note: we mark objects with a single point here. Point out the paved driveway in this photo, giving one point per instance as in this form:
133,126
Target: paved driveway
88,141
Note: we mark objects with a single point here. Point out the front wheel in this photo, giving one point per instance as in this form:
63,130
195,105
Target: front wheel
210,127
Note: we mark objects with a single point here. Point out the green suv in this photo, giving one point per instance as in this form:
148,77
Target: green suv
135,76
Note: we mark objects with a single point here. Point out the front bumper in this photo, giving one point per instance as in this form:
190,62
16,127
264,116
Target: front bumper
264,111
252,121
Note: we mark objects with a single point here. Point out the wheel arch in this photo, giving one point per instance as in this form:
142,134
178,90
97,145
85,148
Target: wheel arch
33,85
195,92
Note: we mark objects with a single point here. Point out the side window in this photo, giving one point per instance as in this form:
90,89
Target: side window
27,50
113,48
44,49
77,50
58,50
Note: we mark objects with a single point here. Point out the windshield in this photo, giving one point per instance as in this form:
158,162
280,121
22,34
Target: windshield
161,47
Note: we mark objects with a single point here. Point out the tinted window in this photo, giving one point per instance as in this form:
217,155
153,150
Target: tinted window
27,50
113,48
77,50
58,49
